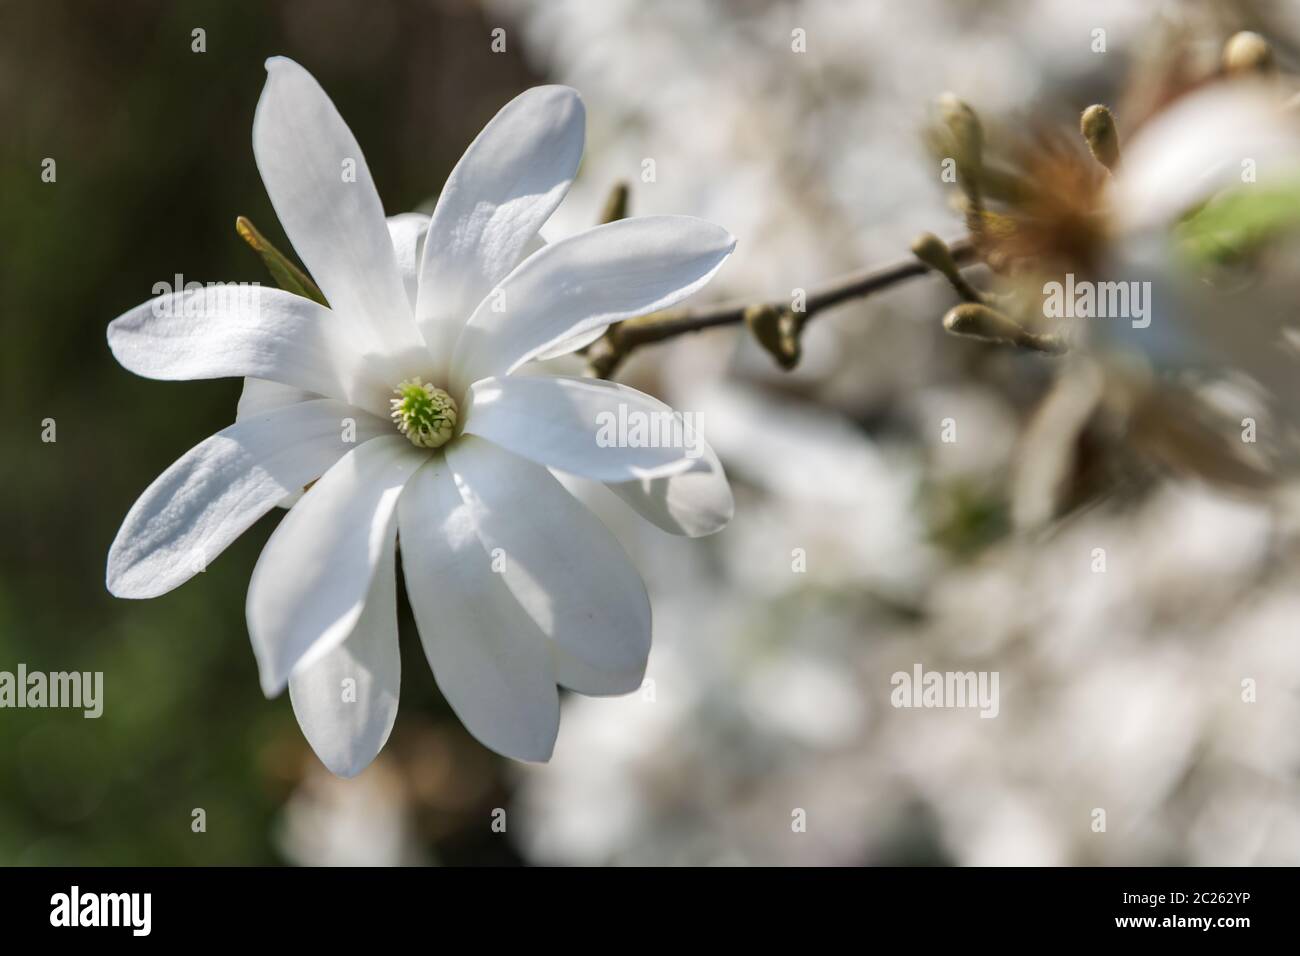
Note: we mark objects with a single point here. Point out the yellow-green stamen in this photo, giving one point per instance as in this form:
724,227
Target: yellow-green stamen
424,413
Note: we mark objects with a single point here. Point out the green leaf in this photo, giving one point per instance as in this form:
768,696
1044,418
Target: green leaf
1239,222
286,275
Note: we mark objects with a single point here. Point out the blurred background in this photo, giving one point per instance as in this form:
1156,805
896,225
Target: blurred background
768,689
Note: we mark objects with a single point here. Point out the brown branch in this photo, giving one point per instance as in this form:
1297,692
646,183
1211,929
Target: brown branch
609,352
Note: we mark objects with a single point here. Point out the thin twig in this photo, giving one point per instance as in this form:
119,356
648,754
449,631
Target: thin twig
609,352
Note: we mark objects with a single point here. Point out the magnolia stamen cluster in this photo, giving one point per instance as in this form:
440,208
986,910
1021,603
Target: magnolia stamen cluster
424,413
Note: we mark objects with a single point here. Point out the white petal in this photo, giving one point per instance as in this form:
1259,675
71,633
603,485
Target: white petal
573,343
490,661
1196,147
216,490
578,677
260,396
407,230
570,345
310,583
346,702
506,185
597,277
596,429
569,573
603,275
694,503
322,192
225,332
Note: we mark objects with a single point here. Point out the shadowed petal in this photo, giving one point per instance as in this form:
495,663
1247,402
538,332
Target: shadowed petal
310,584
346,702
214,492
490,661
569,573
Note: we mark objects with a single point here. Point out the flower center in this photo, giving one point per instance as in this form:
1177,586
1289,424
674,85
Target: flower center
424,413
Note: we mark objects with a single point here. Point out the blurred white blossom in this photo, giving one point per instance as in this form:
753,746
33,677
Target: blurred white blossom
1125,690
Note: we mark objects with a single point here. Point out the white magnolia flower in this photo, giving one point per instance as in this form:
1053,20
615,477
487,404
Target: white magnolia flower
515,586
